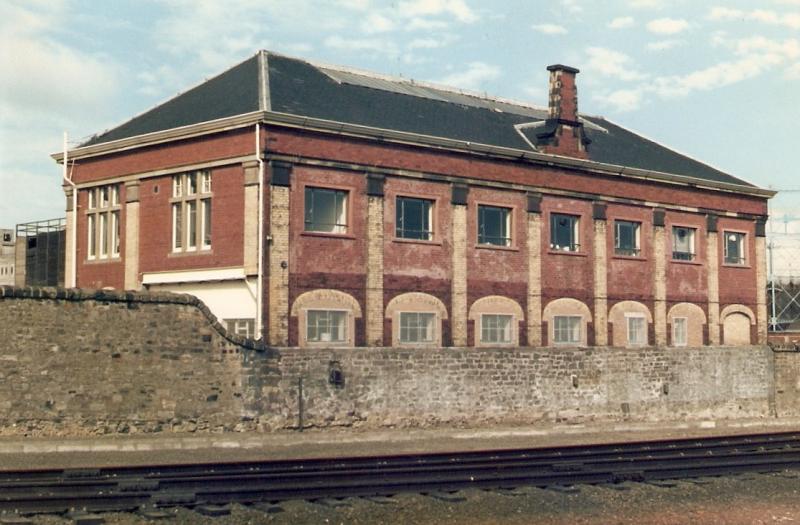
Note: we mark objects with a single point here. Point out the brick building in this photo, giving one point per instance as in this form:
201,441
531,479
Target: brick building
323,206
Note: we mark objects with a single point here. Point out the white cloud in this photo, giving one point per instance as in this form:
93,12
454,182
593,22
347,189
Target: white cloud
572,6
609,63
357,5
790,20
622,99
425,43
421,8
376,23
621,22
376,46
550,29
793,72
476,74
663,45
423,24
646,4
667,26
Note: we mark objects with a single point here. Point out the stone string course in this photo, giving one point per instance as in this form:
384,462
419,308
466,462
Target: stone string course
84,362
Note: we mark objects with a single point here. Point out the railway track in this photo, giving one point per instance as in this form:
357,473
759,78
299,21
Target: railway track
193,485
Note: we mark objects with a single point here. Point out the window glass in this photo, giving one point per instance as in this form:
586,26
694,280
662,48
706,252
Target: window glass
206,182
496,328
206,223
191,183
683,243
191,224
326,210
414,218
177,186
104,197
325,326
567,328
416,327
91,228
177,227
679,331
92,199
626,238
494,225
734,248
115,233
637,330
564,232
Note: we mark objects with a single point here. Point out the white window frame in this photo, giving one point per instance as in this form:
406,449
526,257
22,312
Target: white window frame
509,330
685,322
434,328
505,238
635,316
340,196
191,211
344,328
575,245
103,215
401,232
637,249
741,257
569,329
691,255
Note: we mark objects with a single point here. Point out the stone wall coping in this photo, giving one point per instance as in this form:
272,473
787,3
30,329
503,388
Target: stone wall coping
130,297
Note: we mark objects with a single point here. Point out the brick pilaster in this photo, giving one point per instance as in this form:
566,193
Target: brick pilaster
279,255
712,269
458,318
534,271
659,278
251,176
131,255
761,284
374,270
70,269
600,276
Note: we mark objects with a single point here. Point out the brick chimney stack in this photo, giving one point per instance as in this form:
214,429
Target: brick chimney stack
563,133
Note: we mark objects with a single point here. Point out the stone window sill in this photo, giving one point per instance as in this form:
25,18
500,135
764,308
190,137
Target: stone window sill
191,253
416,241
496,247
629,258
324,235
571,254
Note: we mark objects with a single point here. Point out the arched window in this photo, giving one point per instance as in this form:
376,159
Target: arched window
567,321
686,322
736,322
496,321
630,322
326,318
416,319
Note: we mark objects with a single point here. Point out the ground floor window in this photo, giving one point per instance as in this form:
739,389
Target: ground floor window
242,327
326,326
679,331
637,329
496,328
567,329
417,327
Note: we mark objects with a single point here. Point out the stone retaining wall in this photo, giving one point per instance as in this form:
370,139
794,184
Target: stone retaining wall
77,362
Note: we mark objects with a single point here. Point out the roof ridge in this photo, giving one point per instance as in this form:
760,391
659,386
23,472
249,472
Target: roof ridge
410,81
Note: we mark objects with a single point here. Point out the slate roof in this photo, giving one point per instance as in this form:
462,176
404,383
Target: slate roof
300,88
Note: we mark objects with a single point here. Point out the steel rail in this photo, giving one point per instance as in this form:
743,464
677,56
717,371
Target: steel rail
129,487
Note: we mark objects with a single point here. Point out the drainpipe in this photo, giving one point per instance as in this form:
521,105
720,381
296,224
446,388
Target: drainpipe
73,271
260,286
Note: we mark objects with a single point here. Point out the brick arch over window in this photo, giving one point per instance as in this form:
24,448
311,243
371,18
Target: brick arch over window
496,304
618,317
326,300
416,302
695,322
738,325
565,307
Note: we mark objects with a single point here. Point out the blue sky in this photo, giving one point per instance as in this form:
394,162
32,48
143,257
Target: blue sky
716,80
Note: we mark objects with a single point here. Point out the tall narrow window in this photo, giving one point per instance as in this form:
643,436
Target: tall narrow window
626,238
326,210
679,331
734,248
414,218
191,211
683,243
637,330
494,225
103,222
567,329
564,232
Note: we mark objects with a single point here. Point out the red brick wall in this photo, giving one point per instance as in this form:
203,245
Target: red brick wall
687,280
568,274
227,224
99,273
737,284
630,278
169,155
415,158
